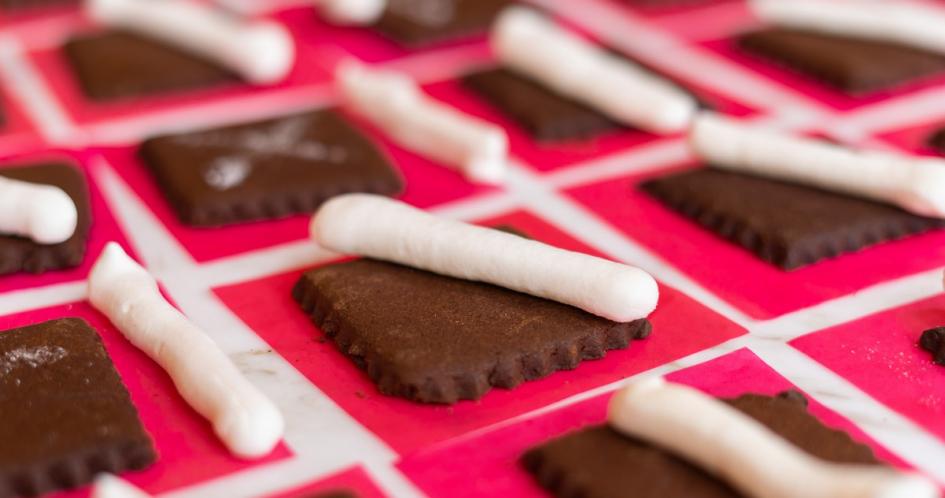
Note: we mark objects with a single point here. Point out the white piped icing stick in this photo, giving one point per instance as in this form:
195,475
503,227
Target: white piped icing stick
109,486
382,228
394,103
895,21
352,12
262,52
912,183
738,449
43,213
247,422
527,42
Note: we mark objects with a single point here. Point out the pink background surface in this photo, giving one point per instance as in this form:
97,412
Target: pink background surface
267,307
104,228
353,480
17,133
491,465
881,356
758,288
914,138
427,184
188,450
58,74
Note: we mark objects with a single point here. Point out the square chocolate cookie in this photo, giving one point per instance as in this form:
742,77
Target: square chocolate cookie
118,65
785,224
437,339
22,254
266,170
852,65
417,22
599,462
65,415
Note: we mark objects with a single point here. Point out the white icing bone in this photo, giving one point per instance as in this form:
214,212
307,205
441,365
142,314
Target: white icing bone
43,213
894,21
738,449
247,422
912,183
262,52
109,486
394,103
381,228
352,12
528,43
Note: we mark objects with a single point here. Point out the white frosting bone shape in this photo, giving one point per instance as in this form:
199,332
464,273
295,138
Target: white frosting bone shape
390,230
532,45
912,183
352,12
738,449
247,422
394,103
43,213
262,52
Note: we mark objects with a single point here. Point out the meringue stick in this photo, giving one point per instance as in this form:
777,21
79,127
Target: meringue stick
109,486
916,184
385,229
530,44
262,52
247,422
741,451
903,22
394,103
43,213
352,12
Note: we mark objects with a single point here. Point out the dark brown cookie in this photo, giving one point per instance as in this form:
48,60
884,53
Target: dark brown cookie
437,339
117,65
418,22
933,341
266,170
937,141
65,415
785,224
33,4
599,462
22,254
545,114
850,64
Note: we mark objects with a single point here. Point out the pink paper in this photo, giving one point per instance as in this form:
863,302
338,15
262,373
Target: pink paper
490,460
267,307
188,450
805,85
426,184
758,288
17,132
354,480
104,228
914,139
58,74
880,355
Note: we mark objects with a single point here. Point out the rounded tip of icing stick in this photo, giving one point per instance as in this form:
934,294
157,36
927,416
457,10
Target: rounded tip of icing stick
927,194
109,486
252,432
267,53
676,116
54,216
353,12
629,294
909,485
105,11
627,396
330,224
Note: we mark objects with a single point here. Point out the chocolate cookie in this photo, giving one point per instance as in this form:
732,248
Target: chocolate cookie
937,141
32,4
117,65
265,170
545,114
785,224
22,254
850,64
599,462
417,22
65,415
437,339
933,341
